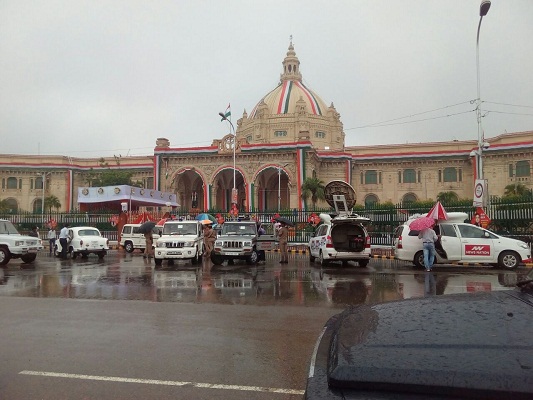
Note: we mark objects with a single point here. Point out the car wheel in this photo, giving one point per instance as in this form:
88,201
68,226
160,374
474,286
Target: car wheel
311,257
73,254
28,258
253,258
5,256
508,260
128,246
418,260
196,258
101,255
363,263
321,260
217,260
158,262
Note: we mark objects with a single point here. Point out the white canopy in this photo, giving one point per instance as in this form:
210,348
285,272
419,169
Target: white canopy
125,193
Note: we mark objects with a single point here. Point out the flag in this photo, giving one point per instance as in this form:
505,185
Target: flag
227,114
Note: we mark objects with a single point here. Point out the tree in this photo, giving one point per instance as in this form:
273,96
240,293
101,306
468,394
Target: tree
516,190
109,177
314,188
4,207
52,202
447,197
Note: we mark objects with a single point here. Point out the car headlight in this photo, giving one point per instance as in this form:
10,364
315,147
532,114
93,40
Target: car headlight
19,242
218,243
159,244
188,244
523,245
247,244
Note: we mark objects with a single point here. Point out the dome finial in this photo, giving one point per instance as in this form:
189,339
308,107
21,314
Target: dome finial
291,65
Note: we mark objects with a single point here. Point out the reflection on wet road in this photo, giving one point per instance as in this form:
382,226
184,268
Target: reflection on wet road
129,277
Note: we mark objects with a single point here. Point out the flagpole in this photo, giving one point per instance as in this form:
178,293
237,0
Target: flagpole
225,117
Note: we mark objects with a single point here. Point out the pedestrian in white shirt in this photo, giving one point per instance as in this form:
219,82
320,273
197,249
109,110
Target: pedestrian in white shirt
63,240
52,239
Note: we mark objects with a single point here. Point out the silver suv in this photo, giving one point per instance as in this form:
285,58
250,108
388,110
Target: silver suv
15,245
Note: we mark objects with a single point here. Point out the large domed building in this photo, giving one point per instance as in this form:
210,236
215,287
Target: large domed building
289,135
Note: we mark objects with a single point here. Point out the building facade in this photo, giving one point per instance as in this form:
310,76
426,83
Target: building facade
289,135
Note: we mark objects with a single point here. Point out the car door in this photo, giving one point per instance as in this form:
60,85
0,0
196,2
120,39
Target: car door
450,242
138,238
476,244
316,241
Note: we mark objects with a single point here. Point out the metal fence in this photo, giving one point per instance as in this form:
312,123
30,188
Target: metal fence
513,218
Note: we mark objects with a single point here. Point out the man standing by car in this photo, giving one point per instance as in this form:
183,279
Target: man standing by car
283,239
63,241
51,239
429,237
210,236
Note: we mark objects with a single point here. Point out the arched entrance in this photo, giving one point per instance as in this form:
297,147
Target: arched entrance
189,188
272,186
223,187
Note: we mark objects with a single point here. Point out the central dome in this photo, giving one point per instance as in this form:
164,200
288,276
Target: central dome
285,97
292,113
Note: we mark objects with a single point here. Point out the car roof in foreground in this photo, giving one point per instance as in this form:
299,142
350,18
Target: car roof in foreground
465,345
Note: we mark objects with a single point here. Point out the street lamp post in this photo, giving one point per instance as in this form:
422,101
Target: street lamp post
483,10
43,177
234,191
279,186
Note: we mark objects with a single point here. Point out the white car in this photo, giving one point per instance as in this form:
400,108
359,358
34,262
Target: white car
15,245
84,240
341,238
131,238
180,240
463,243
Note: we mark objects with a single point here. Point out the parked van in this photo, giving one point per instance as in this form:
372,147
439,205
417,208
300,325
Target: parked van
131,238
461,242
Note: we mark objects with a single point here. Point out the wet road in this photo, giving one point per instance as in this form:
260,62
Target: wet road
205,332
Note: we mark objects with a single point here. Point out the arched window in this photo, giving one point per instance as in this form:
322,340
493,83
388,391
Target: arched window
12,183
409,198
409,176
523,168
450,174
11,205
37,206
39,182
371,199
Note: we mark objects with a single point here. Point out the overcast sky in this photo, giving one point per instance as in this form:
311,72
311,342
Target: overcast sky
97,77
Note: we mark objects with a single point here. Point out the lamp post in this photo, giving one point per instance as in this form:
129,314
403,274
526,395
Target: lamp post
279,186
483,10
43,177
234,191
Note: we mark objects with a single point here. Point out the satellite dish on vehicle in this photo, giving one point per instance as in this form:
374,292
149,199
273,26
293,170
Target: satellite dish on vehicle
340,188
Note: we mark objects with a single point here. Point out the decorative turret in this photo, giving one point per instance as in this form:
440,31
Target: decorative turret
291,66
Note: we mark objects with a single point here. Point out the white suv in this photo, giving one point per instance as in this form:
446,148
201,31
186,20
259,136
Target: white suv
131,238
15,245
180,240
342,238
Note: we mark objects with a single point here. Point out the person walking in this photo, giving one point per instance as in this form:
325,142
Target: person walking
429,237
210,236
51,239
283,234
149,241
63,241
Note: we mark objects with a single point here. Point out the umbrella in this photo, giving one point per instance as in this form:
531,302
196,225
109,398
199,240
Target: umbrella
421,223
147,227
437,212
207,222
284,220
204,216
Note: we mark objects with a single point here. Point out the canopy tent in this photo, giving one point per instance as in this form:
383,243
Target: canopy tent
116,196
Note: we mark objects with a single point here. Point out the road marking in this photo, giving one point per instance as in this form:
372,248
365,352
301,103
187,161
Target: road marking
165,383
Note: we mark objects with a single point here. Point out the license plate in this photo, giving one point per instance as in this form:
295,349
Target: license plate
174,253
32,250
232,253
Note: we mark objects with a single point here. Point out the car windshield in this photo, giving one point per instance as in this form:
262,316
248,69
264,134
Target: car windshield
7,228
88,232
180,229
238,229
